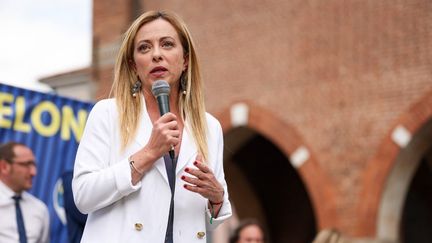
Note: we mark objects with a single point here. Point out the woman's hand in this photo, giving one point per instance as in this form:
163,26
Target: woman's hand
165,135
203,182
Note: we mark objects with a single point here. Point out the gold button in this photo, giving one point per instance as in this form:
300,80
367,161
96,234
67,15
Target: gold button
200,235
138,226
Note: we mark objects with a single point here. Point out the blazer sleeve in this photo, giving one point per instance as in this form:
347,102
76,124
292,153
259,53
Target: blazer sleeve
218,170
99,182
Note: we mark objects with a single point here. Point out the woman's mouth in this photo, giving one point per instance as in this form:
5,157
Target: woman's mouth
158,71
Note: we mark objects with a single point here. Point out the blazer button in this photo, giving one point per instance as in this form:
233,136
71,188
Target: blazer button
138,226
200,235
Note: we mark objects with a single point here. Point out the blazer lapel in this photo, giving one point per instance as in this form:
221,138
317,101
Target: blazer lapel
188,150
143,135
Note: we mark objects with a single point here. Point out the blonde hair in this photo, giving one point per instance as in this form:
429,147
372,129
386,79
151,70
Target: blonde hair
191,105
328,236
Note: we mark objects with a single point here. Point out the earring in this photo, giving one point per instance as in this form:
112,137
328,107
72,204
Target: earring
183,83
136,88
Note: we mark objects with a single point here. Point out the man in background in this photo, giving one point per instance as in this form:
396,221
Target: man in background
24,218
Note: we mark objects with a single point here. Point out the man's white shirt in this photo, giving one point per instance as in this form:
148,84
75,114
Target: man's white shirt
35,214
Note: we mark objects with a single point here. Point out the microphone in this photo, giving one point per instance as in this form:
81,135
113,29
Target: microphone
161,90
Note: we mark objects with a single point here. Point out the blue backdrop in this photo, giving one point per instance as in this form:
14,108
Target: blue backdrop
52,126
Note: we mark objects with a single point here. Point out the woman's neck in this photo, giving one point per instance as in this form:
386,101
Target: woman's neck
153,107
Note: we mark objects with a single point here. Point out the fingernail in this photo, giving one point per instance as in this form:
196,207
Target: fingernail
185,186
196,162
183,177
187,169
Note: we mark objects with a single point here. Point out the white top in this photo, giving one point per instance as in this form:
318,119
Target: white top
35,214
122,212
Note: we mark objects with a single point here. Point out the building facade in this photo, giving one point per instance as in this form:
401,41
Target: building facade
326,108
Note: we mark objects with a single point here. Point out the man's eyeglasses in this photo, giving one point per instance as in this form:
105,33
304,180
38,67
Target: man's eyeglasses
26,164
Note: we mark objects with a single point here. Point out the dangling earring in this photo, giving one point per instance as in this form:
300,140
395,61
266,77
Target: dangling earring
183,83
136,88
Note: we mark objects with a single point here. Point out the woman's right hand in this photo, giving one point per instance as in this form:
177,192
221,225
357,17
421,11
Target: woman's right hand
165,135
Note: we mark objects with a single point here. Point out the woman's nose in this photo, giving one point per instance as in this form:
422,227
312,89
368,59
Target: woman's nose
157,55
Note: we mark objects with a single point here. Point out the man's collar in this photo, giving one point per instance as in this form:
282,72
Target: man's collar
5,191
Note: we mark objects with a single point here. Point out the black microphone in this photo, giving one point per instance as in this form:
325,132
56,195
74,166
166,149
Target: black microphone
161,90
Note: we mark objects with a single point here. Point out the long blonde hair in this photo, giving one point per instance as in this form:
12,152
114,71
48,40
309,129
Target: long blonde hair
191,105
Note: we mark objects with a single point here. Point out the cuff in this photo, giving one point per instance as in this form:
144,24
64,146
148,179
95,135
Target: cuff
123,178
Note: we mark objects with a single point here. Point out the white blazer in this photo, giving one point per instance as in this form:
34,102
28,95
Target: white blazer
121,212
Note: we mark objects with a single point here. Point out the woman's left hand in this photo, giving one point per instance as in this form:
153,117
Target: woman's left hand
204,182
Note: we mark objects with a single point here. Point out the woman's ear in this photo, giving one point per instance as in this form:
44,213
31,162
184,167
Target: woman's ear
185,62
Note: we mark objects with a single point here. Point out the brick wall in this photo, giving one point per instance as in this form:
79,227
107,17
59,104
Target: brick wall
339,72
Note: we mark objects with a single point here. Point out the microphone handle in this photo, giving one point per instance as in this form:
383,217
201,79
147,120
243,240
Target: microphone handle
163,102
172,153
164,107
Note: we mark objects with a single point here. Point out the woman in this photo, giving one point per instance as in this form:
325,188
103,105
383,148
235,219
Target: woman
249,230
123,178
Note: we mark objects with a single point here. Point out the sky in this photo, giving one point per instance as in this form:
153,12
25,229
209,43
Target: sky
40,38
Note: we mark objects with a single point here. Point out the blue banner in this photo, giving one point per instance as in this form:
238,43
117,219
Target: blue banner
52,127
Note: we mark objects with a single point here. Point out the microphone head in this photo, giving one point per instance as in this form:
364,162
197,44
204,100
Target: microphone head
160,87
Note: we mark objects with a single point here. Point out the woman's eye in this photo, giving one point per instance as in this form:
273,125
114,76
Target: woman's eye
167,44
143,47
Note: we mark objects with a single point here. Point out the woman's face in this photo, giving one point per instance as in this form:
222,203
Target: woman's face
251,234
158,54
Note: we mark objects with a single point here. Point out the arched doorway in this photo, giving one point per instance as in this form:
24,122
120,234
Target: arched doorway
403,192
264,185
417,210
245,125
389,175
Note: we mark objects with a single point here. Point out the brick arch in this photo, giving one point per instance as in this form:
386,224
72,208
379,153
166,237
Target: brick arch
287,139
379,167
